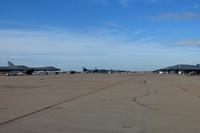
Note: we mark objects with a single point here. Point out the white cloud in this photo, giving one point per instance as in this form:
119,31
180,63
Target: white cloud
74,49
125,2
189,43
113,25
151,1
196,6
99,2
109,2
97,47
177,16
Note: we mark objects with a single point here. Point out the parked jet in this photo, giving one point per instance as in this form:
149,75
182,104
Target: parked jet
27,70
180,69
85,70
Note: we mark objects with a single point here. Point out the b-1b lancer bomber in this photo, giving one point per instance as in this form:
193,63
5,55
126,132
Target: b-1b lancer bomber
85,70
11,68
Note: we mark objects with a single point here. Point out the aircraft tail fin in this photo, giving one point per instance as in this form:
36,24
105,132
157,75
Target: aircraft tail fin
10,64
84,69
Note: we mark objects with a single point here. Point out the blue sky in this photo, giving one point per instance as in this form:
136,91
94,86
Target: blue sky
117,34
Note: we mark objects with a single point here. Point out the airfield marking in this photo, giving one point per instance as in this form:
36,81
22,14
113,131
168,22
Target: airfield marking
65,101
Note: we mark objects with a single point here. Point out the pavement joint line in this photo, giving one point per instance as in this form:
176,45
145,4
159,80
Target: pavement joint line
186,90
146,94
64,101
143,105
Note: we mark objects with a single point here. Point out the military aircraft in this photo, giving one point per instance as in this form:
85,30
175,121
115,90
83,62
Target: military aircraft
12,68
85,70
180,69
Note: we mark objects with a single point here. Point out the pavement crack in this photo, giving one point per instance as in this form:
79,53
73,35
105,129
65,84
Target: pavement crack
3,108
148,92
142,104
64,101
184,89
188,91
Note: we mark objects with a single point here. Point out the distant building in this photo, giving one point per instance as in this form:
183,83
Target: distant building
180,69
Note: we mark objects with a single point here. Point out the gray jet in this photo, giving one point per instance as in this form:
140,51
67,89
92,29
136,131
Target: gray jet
27,70
85,70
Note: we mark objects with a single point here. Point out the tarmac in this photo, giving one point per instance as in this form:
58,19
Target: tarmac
100,103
